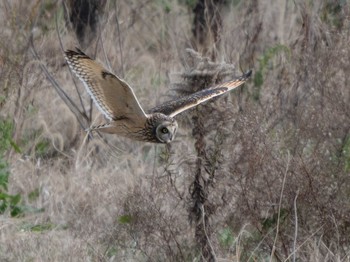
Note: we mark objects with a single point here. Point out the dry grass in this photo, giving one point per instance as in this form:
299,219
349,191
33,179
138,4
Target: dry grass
279,189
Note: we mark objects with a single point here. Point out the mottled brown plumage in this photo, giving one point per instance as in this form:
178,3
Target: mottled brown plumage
117,101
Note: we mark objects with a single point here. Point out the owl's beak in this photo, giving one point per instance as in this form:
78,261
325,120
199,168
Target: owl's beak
171,139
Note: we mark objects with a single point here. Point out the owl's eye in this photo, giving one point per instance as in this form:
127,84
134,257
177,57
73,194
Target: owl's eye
165,130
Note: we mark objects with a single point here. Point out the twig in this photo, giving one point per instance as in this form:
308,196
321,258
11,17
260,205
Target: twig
75,110
296,225
75,84
279,208
206,235
119,42
103,48
304,242
260,243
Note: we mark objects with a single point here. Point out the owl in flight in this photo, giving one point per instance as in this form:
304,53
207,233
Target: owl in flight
117,101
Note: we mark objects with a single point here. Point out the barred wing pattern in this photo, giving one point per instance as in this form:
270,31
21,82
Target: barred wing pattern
177,106
113,97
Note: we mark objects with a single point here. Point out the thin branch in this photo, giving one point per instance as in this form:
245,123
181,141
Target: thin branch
119,41
75,84
304,242
259,244
103,47
75,110
279,208
206,234
296,225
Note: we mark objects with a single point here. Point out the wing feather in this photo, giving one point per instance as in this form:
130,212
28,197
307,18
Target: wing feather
177,106
112,96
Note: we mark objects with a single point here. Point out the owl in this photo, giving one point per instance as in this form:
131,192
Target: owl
117,102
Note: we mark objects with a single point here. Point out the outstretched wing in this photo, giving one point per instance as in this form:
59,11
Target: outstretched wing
113,97
174,107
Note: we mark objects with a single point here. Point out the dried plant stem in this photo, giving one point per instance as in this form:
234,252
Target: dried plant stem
296,225
119,39
200,193
69,102
75,85
306,240
279,208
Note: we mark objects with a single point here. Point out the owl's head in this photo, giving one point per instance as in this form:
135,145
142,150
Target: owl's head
165,128
165,132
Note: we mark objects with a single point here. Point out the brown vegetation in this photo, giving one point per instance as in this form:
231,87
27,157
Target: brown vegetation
259,175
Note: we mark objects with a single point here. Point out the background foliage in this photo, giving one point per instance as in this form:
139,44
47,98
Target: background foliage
259,175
